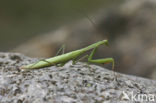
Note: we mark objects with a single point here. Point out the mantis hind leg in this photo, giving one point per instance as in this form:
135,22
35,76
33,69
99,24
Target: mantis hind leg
62,48
43,61
100,61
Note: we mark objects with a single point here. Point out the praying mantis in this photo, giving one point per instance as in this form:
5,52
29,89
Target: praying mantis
64,58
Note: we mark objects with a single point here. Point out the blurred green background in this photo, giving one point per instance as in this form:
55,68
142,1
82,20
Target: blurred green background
22,19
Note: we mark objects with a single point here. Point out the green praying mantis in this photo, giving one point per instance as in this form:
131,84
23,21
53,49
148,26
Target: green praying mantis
64,58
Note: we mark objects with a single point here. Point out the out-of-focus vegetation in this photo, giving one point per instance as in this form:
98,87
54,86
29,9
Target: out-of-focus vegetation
22,19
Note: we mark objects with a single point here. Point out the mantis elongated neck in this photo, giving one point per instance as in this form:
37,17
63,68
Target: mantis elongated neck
95,45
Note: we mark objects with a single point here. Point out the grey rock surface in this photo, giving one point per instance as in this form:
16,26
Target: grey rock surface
77,83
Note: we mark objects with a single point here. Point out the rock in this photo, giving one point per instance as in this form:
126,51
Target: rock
77,83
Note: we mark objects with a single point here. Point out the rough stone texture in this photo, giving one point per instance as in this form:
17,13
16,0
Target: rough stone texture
78,83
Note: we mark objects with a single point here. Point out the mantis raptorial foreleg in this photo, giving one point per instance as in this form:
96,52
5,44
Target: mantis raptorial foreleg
100,61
